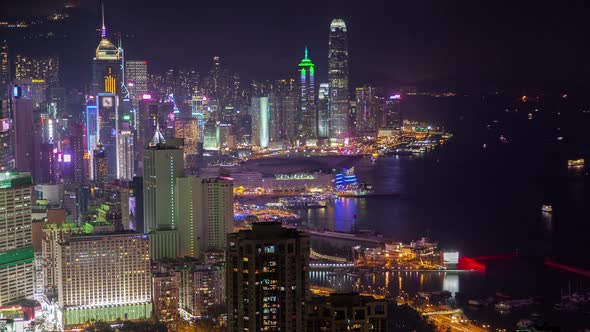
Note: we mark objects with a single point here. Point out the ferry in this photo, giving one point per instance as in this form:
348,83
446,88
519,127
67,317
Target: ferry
303,203
576,163
546,208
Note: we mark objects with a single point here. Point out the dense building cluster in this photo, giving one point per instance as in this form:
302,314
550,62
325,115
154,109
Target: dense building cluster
105,215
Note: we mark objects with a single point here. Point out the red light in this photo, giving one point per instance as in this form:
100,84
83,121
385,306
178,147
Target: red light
145,62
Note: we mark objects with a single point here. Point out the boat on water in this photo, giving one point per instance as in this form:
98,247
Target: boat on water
503,306
299,202
547,208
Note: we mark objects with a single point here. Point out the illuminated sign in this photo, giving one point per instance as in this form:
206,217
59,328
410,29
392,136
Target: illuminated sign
395,97
16,91
60,157
451,258
67,158
107,102
146,96
37,81
86,155
4,124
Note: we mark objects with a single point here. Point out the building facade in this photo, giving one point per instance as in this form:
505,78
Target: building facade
103,277
267,278
338,79
16,248
307,108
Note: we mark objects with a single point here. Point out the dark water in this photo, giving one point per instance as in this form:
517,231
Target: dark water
487,201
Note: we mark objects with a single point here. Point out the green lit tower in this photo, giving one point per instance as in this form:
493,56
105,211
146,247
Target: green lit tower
307,112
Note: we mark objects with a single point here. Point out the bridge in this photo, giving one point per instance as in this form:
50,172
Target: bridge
443,312
316,255
348,236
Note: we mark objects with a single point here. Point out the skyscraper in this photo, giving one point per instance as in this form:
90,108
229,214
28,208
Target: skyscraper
366,110
163,163
106,65
267,278
16,251
103,277
23,132
207,214
108,129
125,151
338,79
307,110
323,110
100,166
136,77
260,112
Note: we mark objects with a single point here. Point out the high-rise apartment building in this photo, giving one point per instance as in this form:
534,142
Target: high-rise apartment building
338,79
23,133
5,74
347,312
202,287
44,68
103,277
307,108
267,278
16,248
206,213
165,296
100,166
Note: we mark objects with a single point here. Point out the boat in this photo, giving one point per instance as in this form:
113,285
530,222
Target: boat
546,208
575,163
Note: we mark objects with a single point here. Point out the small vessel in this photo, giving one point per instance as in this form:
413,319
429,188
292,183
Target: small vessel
547,208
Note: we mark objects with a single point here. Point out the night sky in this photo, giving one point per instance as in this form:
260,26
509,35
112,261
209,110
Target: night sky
428,44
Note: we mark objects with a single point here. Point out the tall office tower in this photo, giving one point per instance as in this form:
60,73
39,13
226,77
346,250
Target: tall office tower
277,116
206,215
267,278
136,78
100,166
125,155
45,68
23,131
108,125
211,136
5,75
366,111
77,152
202,287
260,112
389,118
106,66
307,111
16,250
338,79
323,110
200,111
163,164
103,277
217,84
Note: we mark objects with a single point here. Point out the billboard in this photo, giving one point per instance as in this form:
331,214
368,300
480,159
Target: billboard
451,258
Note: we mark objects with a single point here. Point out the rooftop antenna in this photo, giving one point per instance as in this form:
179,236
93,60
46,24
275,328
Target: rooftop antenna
103,30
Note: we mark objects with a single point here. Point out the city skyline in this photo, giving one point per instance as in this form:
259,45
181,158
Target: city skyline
433,45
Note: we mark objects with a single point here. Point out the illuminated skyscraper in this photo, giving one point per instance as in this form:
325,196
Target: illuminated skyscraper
108,124
307,110
338,79
106,66
267,278
323,110
100,166
136,78
163,163
23,130
16,251
366,110
260,112
45,68
125,155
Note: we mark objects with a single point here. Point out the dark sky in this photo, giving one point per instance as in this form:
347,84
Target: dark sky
479,44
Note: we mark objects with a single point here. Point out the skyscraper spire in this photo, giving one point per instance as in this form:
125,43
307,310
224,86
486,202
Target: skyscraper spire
306,52
103,30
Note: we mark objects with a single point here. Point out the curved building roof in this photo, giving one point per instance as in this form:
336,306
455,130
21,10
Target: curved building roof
337,23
